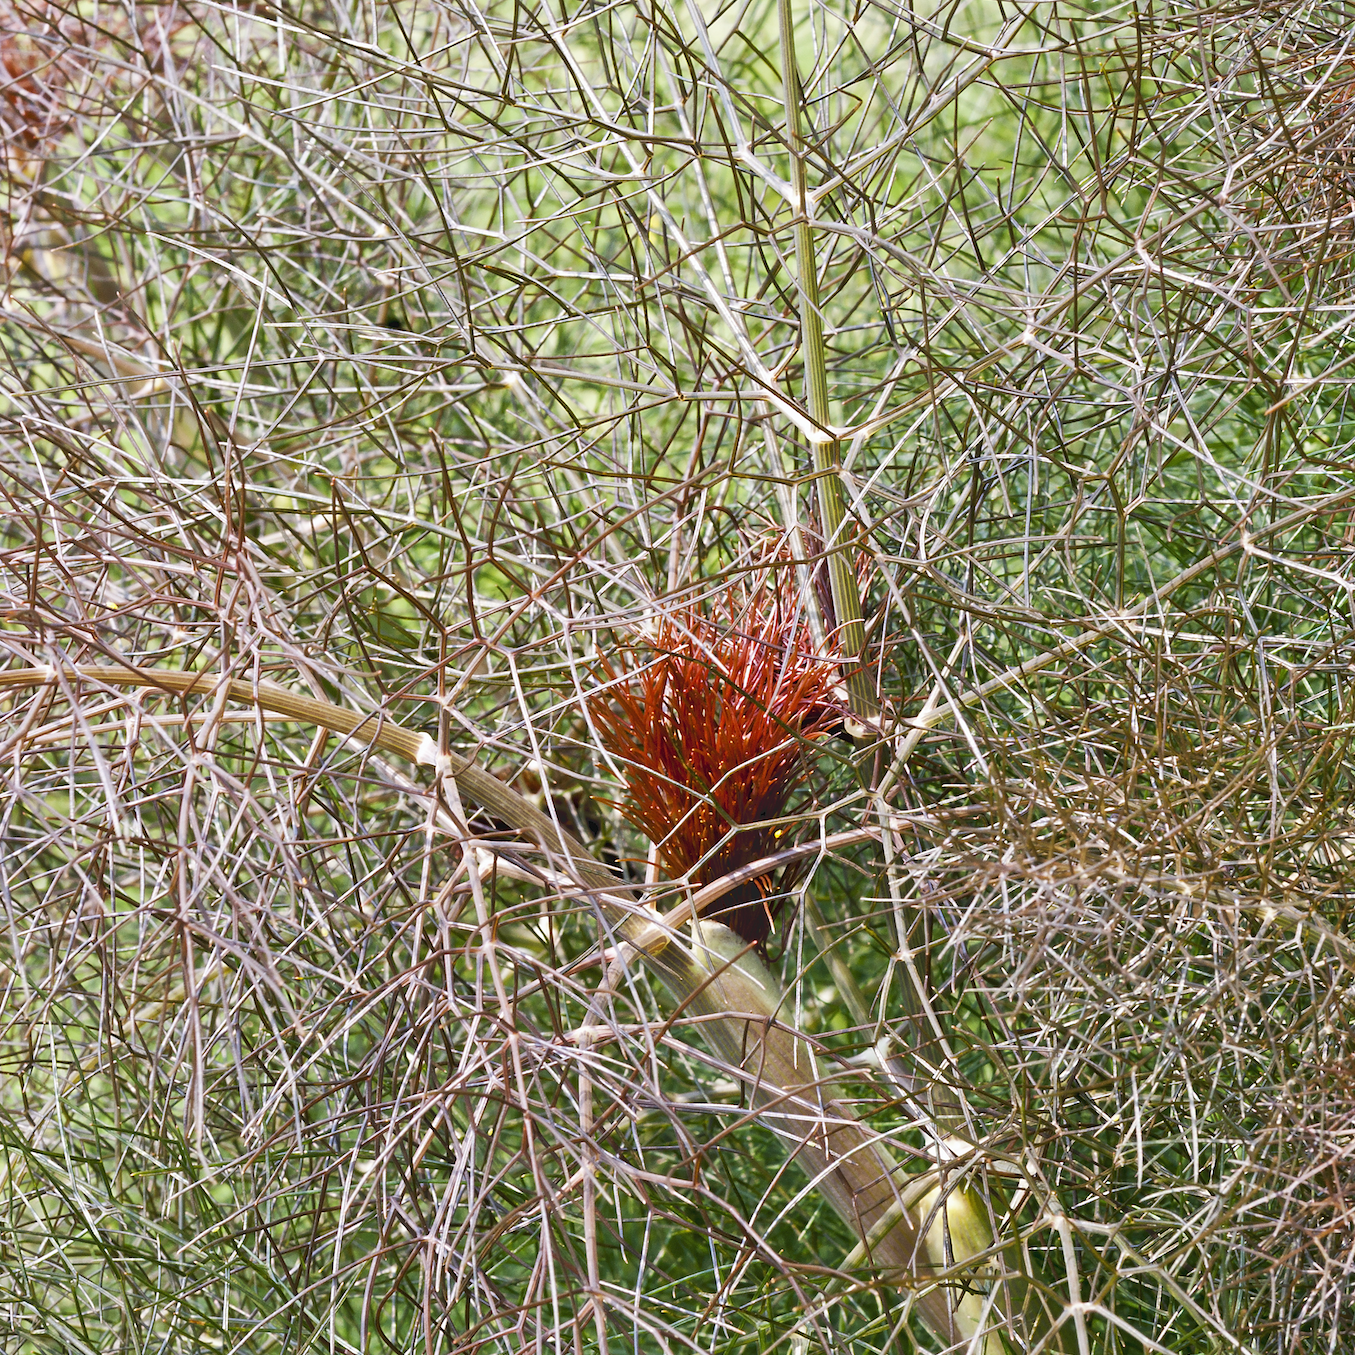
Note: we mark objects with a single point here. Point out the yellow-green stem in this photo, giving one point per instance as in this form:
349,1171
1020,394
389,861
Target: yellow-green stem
851,630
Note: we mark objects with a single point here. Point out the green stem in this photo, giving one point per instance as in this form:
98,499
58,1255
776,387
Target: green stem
851,630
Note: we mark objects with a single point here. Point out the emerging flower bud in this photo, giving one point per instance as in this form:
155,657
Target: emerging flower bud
711,722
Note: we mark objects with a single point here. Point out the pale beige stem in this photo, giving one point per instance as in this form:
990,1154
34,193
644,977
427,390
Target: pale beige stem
848,1163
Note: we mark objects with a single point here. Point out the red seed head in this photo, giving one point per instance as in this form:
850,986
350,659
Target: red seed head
711,723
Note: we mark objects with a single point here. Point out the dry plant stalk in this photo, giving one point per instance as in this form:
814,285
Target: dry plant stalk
911,1235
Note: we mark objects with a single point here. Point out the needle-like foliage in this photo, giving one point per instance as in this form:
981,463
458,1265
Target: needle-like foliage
412,354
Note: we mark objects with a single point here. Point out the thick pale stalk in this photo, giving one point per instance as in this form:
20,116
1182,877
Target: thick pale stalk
907,1229
913,1229
851,630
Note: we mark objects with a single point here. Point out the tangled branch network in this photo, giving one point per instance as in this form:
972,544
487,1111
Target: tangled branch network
676,678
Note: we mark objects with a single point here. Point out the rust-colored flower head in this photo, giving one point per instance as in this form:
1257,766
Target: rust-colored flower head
711,722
